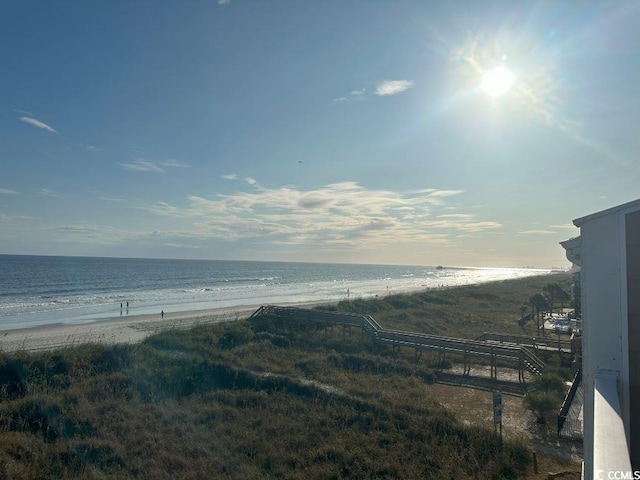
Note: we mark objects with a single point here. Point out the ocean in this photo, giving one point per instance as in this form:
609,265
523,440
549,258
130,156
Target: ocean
39,290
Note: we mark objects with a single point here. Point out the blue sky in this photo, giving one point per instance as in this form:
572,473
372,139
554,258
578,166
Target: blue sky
337,131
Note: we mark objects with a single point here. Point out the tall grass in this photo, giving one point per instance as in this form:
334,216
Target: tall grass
250,400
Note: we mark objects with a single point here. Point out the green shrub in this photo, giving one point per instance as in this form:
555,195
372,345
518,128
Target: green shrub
273,339
235,335
541,403
551,383
12,375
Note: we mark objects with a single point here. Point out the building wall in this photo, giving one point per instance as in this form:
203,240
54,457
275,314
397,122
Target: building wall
602,269
632,228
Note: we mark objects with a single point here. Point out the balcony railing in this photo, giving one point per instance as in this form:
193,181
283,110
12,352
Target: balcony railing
610,449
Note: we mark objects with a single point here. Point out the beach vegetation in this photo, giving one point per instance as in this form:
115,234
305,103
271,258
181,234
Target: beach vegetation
548,390
254,399
554,292
539,305
465,311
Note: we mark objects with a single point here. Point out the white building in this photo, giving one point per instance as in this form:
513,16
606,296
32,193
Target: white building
608,252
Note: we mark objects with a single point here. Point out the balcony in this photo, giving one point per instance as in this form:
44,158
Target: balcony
610,449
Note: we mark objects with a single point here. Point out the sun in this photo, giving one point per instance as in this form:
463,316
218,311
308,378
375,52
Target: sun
497,82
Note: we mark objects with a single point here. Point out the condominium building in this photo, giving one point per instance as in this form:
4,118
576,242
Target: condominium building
608,254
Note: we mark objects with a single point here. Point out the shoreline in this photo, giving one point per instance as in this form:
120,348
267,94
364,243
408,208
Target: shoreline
118,330
135,328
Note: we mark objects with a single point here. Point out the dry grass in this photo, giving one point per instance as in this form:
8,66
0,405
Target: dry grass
465,312
257,401
474,407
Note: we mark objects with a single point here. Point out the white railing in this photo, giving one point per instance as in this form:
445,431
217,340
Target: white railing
610,449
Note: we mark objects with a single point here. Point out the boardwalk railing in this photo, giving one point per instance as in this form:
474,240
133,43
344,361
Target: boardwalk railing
510,353
563,415
538,343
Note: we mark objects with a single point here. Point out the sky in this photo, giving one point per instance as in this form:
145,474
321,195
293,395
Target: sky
459,133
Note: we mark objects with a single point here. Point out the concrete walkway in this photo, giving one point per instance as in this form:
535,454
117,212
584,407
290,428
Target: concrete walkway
572,427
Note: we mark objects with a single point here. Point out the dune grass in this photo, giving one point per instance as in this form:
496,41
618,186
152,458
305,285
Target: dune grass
256,400
465,312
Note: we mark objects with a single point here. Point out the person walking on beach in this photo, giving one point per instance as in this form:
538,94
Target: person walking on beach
161,313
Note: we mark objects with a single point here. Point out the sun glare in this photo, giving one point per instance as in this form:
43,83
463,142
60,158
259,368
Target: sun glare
497,82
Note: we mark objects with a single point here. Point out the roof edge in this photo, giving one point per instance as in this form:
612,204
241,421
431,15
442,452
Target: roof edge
631,206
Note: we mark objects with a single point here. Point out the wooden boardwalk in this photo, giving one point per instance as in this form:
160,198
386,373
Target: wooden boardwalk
550,343
510,354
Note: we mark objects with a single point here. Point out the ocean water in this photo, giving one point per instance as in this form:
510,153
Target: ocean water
37,290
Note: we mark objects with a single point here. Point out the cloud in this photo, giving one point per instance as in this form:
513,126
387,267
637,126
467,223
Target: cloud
108,198
175,164
354,95
142,166
180,245
536,232
568,226
388,87
393,87
338,215
6,191
224,2
456,215
51,193
231,176
314,200
99,234
37,123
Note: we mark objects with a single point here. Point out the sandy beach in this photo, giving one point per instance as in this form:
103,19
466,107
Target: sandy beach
121,329
129,328
134,328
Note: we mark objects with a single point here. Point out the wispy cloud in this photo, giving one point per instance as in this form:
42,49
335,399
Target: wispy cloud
142,166
386,88
97,234
6,191
224,2
175,164
568,226
108,198
230,176
340,215
51,193
393,87
181,245
354,95
37,123
536,232
456,215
